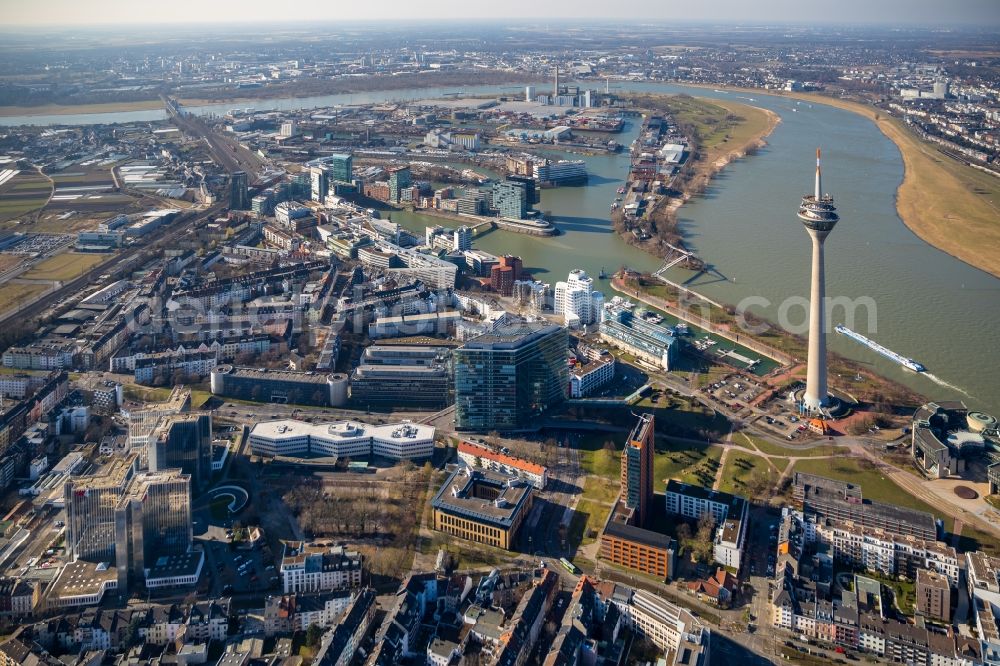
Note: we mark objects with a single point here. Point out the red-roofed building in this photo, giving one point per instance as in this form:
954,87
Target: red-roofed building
476,455
718,587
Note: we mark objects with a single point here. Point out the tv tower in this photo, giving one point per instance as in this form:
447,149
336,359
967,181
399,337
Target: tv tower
819,216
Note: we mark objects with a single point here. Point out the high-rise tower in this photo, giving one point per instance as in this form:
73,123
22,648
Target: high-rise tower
819,216
637,469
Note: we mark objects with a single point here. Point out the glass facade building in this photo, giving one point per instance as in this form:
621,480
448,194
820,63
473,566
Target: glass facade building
341,168
399,179
505,379
91,503
239,192
183,441
152,521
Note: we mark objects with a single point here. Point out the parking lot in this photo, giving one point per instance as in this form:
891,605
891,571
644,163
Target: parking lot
735,392
236,568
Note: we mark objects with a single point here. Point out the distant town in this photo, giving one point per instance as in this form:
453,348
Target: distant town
278,386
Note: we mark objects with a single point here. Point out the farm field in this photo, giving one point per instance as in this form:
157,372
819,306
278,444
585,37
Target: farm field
64,266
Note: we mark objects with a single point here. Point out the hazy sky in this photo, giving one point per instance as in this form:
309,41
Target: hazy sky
70,12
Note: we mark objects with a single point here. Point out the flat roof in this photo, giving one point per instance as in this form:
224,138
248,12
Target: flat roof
287,375
343,430
81,578
457,496
511,337
176,565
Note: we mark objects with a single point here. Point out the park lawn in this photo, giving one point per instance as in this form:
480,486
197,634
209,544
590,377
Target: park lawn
601,462
975,539
199,398
146,393
218,508
600,489
792,451
15,294
739,469
874,486
65,266
588,518
673,461
703,473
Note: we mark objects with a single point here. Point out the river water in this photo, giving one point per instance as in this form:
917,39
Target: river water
927,305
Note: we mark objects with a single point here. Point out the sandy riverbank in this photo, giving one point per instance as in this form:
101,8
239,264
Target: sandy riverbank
948,205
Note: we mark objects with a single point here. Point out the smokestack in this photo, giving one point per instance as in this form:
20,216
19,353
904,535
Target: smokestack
555,90
819,178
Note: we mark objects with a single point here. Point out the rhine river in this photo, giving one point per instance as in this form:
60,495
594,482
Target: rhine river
927,305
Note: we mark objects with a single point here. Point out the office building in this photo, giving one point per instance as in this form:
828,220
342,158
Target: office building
399,180
626,543
590,373
239,191
577,301
91,502
637,468
183,441
288,129
403,375
142,422
504,274
563,172
514,197
319,567
319,182
505,380
154,534
340,167
280,386
683,637
480,456
462,239
652,343
482,506
729,513
345,439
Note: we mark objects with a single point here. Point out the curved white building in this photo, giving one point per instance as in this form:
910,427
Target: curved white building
344,439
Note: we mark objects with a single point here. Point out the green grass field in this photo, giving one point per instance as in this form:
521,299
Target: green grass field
146,394
739,469
587,522
13,295
601,489
65,266
770,448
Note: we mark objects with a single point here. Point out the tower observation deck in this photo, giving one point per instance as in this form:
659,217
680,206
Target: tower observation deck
819,216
